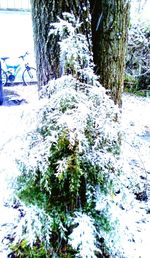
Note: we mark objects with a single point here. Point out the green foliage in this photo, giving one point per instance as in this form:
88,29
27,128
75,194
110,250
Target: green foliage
32,193
102,222
130,78
95,175
24,250
67,178
67,104
130,83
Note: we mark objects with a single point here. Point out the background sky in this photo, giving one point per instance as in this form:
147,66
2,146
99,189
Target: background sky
16,36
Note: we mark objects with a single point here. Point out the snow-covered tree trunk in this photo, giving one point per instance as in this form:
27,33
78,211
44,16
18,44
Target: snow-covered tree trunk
109,30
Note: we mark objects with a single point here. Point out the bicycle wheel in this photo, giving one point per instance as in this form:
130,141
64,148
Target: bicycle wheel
4,78
29,76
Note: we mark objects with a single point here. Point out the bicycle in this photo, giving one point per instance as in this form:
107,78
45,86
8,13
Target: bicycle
10,72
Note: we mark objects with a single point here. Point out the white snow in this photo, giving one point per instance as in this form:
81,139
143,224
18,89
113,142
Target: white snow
83,236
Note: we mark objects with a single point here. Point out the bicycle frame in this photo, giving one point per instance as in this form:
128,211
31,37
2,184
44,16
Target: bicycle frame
11,71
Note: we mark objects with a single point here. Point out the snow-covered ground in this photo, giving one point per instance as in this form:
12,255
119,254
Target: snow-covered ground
16,120
136,153
136,124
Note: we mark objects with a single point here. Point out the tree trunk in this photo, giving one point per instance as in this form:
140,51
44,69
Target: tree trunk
109,20
109,33
45,12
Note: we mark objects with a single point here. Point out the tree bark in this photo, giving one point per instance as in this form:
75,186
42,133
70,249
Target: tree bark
109,21
45,12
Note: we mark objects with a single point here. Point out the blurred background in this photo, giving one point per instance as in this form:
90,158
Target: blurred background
16,36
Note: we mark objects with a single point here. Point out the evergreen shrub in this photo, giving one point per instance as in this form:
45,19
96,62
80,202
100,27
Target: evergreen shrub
70,173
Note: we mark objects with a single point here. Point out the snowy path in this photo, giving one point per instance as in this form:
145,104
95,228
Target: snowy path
136,150
16,121
136,125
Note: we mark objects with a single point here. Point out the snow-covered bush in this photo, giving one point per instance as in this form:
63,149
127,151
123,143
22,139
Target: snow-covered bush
73,159
35,224
138,54
71,171
75,54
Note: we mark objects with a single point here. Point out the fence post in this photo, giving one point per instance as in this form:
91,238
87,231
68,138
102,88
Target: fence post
1,86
